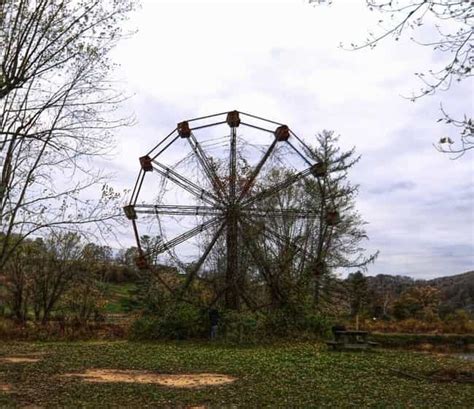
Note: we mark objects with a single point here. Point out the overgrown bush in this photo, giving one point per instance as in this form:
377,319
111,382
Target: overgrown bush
173,321
60,330
296,323
459,322
239,327
184,321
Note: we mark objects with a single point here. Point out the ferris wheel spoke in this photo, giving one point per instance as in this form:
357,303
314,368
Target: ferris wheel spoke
288,212
300,141
308,162
186,236
262,264
206,166
177,210
273,190
257,169
272,235
186,184
255,253
202,259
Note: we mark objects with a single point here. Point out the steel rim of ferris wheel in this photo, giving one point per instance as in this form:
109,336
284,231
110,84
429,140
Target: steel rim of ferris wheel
229,206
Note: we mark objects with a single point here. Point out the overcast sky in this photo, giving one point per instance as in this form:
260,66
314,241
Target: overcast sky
281,60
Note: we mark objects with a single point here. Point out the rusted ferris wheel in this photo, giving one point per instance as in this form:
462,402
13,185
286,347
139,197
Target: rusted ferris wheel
218,194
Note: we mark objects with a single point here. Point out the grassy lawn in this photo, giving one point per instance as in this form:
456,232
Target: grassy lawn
283,375
118,297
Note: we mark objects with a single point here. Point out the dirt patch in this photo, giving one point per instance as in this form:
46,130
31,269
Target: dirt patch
170,380
19,359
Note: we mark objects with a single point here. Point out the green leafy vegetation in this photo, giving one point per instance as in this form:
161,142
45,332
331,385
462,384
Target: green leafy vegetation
119,298
302,375
176,321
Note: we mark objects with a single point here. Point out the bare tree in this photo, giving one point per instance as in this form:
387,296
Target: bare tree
43,36
18,272
62,254
40,273
57,107
452,22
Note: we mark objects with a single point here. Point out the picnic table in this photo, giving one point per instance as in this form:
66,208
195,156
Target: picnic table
345,339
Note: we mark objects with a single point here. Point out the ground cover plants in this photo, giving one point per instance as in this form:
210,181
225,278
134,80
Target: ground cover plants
279,375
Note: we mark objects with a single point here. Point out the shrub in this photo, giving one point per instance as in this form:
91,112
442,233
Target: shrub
295,322
459,322
279,323
184,321
239,327
318,324
174,321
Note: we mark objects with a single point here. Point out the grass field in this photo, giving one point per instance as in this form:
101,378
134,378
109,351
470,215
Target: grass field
286,376
118,297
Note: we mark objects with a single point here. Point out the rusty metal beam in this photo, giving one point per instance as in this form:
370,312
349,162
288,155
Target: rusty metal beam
232,298
278,187
260,118
166,147
257,169
172,210
137,187
186,235
186,184
287,212
161,142
308,162
203,257
207,167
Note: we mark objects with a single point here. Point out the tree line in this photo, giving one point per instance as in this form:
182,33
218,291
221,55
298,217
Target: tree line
62,276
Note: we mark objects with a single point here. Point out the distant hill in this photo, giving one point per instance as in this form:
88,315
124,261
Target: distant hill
456,291
463,278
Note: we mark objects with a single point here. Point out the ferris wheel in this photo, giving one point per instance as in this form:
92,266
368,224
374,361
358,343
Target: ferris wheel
207,184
